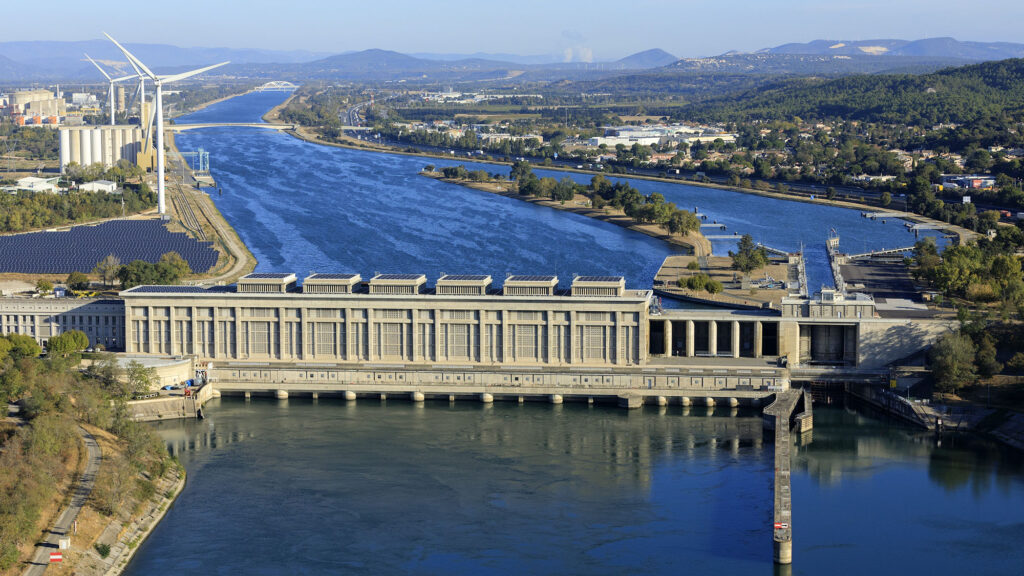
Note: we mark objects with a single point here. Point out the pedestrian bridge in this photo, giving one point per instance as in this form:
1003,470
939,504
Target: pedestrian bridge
278,86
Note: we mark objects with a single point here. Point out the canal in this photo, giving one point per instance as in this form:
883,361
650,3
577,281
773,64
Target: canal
327,487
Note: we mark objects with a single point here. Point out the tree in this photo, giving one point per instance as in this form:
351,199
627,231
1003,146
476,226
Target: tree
107,269
139,378
174,267
77,281
520,171
69,342
749,256
44,286
428,168
952,361
693,265
23,346
886,199
988,366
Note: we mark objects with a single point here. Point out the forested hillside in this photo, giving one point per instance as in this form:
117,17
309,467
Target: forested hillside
955,95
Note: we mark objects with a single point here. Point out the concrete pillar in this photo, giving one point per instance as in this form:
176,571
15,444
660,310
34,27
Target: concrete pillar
451,398
733,402
383,397
590,400
782,552
350,395
316,395
709,402
487,398
281,394
735,339
668,337
214,393
522,399
690,352
712,337
248,395
630,401
417,396
662,401
758,338
555,398
685,400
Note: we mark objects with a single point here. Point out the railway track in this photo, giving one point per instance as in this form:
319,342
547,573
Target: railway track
187,215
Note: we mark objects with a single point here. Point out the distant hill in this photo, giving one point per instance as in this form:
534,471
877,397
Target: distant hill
959,95
808,64
64,60
377,65
654,58
928,48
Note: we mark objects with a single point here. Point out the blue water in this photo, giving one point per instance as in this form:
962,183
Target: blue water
303,207
297,487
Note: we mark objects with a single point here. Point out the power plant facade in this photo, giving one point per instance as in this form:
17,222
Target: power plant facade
87,145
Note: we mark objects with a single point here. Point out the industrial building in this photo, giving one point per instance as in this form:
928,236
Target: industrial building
36,103
394,332
86,145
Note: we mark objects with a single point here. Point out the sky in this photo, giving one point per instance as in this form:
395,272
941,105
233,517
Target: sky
571,29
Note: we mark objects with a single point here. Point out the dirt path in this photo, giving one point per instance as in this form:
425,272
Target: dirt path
62,528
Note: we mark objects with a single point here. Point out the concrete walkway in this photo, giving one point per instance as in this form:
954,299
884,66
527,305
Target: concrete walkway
63,527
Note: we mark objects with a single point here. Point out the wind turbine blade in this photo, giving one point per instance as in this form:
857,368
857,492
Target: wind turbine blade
123,78
102,71
183,75
131,57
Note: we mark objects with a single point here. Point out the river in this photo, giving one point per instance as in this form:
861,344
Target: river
328,487
303,207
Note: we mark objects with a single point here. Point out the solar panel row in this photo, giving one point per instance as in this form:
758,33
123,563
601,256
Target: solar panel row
599,278
465,277
333,276
398,276
82,247
529,278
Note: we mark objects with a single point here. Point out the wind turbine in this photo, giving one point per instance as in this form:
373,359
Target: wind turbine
112,82
159,82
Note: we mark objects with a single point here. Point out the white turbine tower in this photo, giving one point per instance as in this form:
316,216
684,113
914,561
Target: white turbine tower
112,82
159,82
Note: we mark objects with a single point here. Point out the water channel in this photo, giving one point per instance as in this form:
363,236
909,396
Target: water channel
328,487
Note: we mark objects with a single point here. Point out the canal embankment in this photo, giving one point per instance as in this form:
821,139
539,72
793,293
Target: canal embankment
694,242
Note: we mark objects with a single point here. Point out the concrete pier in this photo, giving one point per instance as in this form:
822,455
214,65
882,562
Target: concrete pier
733,402
248,395
316,396
281,394
685,400
383,397
661,401
779,416
709,402
630,401
417,397
487,398
350,395
555,398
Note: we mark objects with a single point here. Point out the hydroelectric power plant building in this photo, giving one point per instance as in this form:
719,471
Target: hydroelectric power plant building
394,334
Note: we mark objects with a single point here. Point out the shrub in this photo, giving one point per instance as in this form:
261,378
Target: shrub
102,549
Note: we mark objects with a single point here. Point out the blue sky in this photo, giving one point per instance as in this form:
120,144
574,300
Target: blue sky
580,30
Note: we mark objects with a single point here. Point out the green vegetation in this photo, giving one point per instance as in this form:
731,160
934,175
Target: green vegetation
31,142
169,270
69,342
34,210
700,282
651,209
979,273
102,549
38,458
748,256
77,281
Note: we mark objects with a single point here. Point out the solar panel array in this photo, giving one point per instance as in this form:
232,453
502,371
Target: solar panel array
599,278
267,275
82,247
333,276
465,277
530,278
167,289
398,276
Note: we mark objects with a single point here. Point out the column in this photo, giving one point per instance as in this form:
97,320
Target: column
195,333
758,338
282,331
370,341
170,324
303,333
238,334
550,338
668,337
437,337
712,337
735,339
150,335
346,329
690,342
